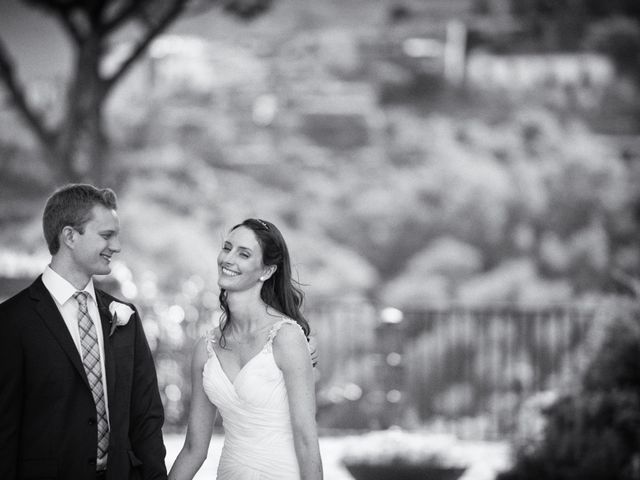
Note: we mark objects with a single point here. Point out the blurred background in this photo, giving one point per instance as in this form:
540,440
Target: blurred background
458,182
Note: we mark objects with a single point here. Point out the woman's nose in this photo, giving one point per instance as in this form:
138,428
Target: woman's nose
114,244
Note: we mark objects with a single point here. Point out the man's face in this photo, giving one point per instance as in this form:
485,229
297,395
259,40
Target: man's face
94,248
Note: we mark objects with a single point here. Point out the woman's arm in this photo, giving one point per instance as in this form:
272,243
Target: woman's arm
292,357
202,413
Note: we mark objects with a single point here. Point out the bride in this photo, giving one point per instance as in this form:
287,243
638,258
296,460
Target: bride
255,369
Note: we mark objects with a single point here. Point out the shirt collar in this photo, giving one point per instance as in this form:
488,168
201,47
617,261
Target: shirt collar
61,290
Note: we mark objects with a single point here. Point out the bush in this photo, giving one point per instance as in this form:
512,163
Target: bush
618,37
593,433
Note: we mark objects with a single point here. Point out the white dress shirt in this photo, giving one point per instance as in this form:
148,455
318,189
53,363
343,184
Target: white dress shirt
62,292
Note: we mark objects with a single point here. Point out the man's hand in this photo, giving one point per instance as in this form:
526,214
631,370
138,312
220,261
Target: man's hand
313,348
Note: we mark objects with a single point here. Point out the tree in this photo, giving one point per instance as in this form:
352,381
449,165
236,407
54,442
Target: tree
77,147
564,23
618,37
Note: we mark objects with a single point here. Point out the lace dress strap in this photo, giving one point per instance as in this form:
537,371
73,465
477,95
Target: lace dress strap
276,328
211,339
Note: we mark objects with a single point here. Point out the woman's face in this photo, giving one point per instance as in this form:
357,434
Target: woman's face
240,261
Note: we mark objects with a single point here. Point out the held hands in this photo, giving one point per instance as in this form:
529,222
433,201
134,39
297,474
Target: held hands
313,350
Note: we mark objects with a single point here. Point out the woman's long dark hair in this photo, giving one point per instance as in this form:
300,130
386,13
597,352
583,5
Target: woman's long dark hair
280,290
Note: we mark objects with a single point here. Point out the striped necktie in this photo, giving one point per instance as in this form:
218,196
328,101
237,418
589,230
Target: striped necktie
91,362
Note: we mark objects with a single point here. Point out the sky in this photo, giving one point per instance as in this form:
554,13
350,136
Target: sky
34,40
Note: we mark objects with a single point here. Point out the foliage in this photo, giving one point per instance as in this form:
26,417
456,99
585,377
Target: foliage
547,25
592,8
524,207
527,209
616,365
593,432
532,197
619,39
76,145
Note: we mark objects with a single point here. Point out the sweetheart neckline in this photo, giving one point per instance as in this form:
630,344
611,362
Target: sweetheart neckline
224,374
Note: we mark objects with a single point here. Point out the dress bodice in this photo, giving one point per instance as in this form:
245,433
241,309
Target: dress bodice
255,414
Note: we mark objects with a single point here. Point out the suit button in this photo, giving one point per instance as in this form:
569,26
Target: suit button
92,461
92,421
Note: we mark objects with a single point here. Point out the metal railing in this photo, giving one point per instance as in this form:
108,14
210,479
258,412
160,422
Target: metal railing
460,370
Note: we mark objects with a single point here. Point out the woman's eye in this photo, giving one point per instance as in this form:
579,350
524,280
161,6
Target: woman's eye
244,255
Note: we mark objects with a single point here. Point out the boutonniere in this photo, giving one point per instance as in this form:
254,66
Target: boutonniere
120,315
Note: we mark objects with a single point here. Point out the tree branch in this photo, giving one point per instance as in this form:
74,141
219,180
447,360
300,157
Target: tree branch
126,11
35,121
65,18
172,13
53,5
631,283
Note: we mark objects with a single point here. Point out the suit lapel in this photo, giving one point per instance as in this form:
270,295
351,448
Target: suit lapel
45,307
105,320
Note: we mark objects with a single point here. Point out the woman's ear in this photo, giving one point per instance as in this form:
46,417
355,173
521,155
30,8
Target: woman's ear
268,272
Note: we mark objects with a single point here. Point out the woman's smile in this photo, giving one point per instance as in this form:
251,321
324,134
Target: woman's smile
229,272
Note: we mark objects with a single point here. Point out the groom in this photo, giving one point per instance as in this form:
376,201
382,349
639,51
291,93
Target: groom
79,396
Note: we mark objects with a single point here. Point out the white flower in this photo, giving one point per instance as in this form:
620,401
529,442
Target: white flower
120,314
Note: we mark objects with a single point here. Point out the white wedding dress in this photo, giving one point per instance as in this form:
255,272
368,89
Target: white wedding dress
258,441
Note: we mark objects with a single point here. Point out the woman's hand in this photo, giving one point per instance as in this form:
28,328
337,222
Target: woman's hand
313,349
202,413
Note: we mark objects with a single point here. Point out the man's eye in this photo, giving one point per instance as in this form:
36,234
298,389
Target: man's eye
226,248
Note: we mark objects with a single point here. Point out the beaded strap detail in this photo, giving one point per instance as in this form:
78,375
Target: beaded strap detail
211,339
276,328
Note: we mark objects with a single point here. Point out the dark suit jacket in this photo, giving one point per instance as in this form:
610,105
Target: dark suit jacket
47,414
